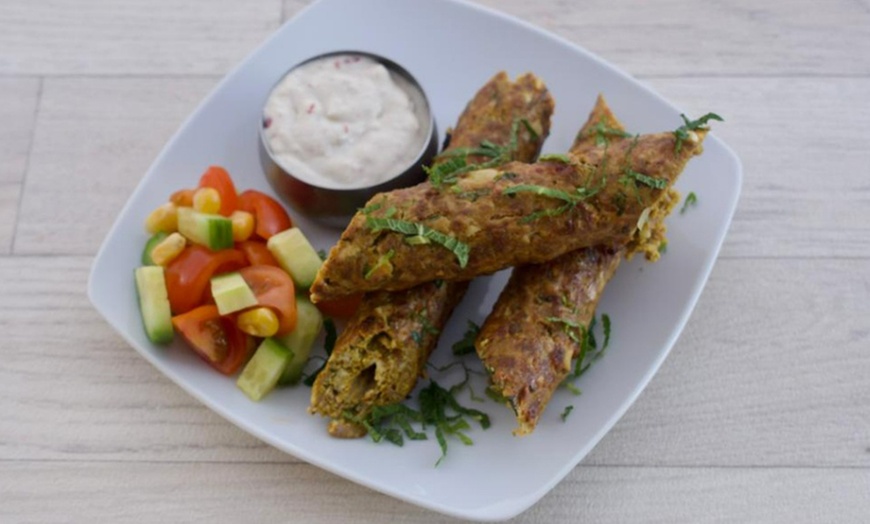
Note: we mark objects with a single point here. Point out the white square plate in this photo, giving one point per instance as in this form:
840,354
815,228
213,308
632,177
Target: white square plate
452,48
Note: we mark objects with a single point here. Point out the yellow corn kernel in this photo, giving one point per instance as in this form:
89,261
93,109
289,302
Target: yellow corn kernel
258,322
169,248
243,225
207,200
164,218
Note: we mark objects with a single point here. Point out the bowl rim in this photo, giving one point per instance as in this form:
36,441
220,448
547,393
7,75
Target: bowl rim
394,68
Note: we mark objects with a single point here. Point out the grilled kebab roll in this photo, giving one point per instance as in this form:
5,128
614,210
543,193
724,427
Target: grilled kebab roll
530,338
385,346
490,219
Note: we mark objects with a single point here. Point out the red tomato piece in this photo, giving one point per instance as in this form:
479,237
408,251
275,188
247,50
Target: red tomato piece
269,215
343,307
274,289
215,338
217,178
188,276
257,253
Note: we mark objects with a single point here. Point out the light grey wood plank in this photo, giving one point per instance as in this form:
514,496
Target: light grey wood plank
732,37
18,99
771,370
804,148
17,116
290,8
138,37
767,373
95,138
9,195
112,492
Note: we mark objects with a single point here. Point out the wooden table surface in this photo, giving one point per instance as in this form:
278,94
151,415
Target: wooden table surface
760,413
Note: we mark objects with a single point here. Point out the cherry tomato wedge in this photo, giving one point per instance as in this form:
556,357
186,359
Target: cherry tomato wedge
269,215
188,276
182,198
215,338
257,253
217,178
274,289
343,307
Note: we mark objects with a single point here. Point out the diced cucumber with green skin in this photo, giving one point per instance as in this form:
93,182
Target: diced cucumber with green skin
231,293
154,304
296,256
309,323
262,372
212,231
149,247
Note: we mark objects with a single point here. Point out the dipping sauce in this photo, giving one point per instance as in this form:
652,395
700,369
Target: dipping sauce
345,121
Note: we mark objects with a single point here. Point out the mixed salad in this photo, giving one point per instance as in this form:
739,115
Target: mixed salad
231,274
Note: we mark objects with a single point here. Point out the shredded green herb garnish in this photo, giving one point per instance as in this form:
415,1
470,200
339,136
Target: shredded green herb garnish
425,325
445,171
682,132
471,195
466,345
619,202
605,321
496,396
589,351
575,331
649,181
383,261
566,412
389,422
371,208
421,234
456,163
322,254
532,133
555,157
602,131
328,346
570,199
691,200
663,247
439,409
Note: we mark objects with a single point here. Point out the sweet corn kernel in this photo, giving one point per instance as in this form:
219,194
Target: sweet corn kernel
207,200
169,248
164,218
258,322
243,225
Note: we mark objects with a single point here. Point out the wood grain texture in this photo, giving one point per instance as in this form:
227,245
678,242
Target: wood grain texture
156,37
18,99
760,413
94,140
772,369
123,492
290,8
802,142
723,38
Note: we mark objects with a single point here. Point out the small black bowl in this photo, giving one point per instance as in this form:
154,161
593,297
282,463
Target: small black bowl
334,206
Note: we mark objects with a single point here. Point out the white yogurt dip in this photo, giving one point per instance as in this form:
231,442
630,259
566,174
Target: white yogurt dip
344,121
